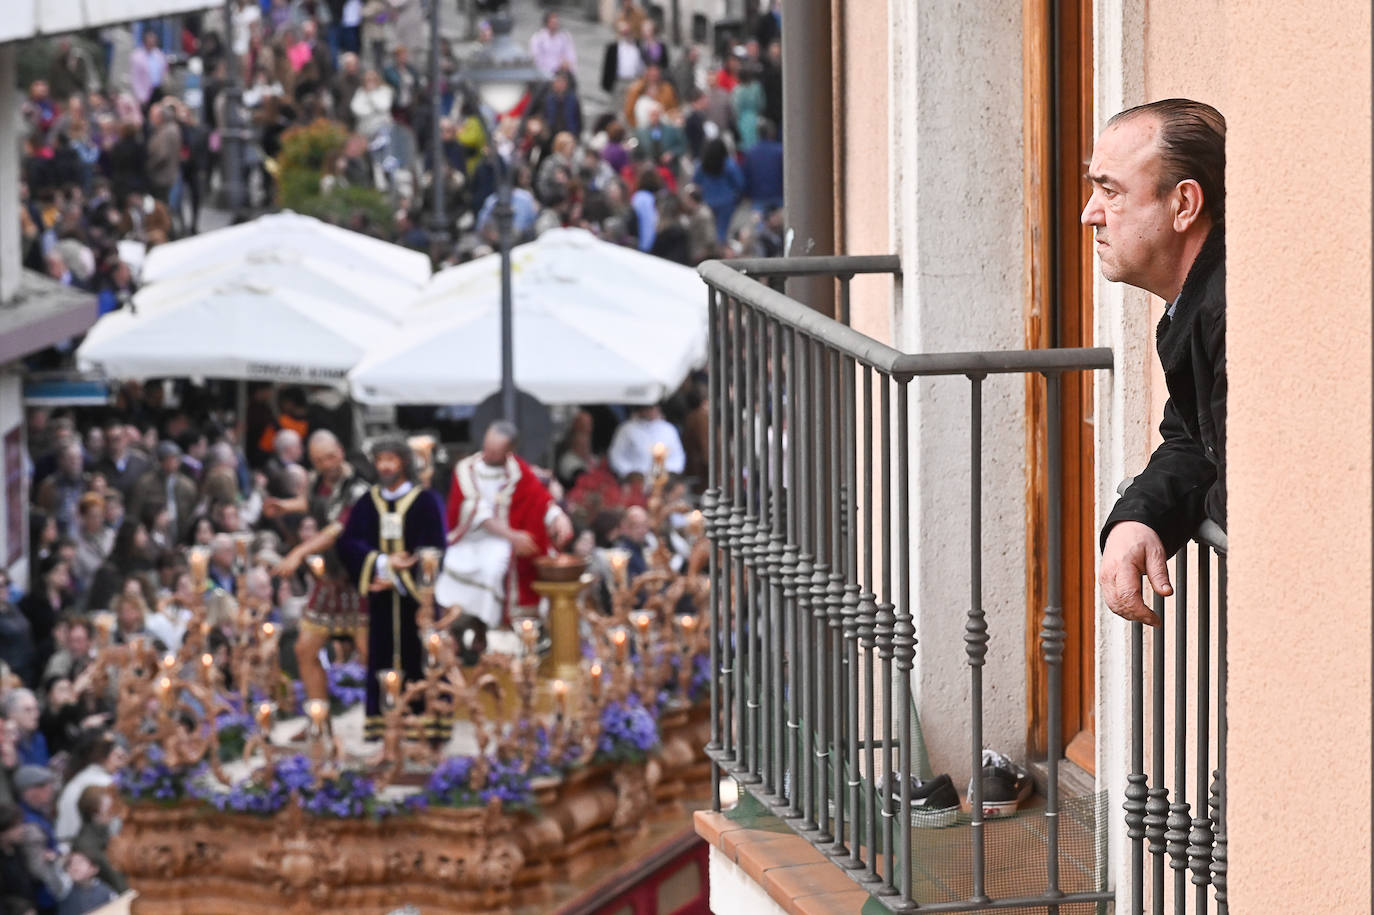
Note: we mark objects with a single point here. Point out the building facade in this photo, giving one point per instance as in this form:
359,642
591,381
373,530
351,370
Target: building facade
962,134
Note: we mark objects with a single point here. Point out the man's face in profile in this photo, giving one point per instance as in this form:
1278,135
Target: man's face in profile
1132,222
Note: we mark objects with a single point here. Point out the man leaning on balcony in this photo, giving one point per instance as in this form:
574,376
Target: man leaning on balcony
1158,210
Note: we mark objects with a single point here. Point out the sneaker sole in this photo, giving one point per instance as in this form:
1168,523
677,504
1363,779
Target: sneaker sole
934,819
995,809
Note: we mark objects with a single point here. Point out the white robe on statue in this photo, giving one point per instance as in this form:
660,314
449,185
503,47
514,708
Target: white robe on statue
477,565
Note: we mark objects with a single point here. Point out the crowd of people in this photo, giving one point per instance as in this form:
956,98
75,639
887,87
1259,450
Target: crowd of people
129,145
122,494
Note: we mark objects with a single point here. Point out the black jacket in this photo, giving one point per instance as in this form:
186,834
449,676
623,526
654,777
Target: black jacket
1185,480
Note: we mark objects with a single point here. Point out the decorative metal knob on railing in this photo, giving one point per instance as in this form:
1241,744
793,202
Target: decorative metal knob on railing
1200,851
1136,793
1156,816
1176,835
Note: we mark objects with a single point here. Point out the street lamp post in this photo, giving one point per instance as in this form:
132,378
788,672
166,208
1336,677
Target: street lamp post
231,131
439,229
501,74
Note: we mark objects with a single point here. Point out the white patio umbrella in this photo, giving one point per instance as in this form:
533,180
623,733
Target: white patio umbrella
242,330
593,323
287,231
348,286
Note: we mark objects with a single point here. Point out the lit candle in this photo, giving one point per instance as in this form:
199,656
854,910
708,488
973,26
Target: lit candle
622,646
241,544
207,664
688,622
642,620
620,565
660,457
205,629
696,523
199,562
560,696
104,622
164,689
268,630
435,644
318,710
596,680
528,632
169,661
429,564
265,712
391,685
316,565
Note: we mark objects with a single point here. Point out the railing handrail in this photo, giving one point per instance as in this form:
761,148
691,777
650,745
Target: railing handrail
817,265
733,278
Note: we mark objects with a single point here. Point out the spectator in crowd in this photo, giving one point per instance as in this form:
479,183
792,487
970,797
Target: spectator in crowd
17,650
622,63
721,185
632,448
97,757
651,87
95,807
148,68
763,170
47,600
552,47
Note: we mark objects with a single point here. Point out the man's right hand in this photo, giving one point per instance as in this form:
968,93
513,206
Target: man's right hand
1133,550
523,543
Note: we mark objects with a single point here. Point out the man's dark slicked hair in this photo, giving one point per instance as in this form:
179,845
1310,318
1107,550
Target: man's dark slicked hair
1192,144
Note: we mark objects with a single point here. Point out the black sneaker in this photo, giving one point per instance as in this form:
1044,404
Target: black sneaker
1005,785
934,802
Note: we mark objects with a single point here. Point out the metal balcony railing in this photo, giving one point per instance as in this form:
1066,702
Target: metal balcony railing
1191,839
814,637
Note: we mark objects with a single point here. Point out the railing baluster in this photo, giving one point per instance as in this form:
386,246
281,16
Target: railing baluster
1176,834
709,502
884,623
726,521
851,609
1200,839
749,578
739,518
790,559
867,618
1135,782
763,419
904,641
776,566
806,484
839,694
1219,776
976,633
1052,639
819,721
1157,797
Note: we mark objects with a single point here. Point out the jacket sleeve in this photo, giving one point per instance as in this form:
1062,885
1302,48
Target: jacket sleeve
357,544
1170,494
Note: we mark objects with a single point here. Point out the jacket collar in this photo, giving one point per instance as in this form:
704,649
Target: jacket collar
1173,333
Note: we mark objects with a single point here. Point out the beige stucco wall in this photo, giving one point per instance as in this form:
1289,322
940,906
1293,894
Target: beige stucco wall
1298,287
1297,101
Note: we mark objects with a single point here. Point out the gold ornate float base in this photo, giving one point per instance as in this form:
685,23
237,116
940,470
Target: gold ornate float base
194,860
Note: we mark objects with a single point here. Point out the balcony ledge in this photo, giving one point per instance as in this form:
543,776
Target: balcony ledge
788,867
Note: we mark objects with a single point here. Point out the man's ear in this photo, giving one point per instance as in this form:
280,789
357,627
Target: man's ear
1188,204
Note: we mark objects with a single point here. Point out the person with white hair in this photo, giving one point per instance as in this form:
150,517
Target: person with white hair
500,517
21,712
